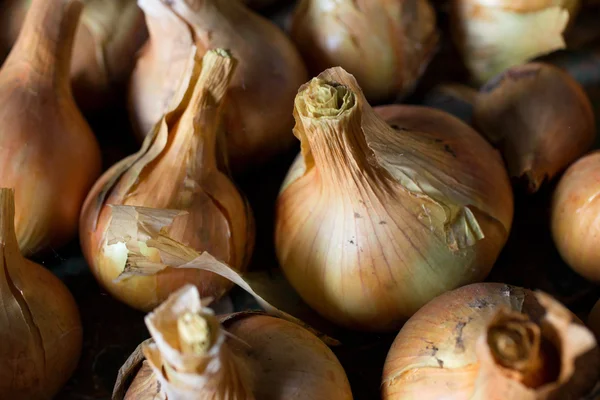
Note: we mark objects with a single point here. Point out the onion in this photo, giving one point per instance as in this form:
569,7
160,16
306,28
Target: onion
110,33
374,221
491,341
574,217
495,35
48,153
385,44
261,357
40,329
539,117
258,120
174,186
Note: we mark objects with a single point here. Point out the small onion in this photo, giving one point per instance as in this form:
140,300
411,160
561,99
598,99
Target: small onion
491,341
374,221
574,220
385,44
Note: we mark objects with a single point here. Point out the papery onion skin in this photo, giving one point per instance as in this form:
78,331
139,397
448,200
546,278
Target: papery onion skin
184,176
385,44
270,70
435,355
539,117
358,246
493,36
40,328
574,216
48,152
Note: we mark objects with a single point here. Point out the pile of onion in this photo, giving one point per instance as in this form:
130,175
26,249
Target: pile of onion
195,355
492,341
382,211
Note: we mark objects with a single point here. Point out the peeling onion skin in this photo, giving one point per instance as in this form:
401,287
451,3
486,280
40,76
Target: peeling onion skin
495,35
359,247
40,327
385,44
270,70
184,176
575,219
48,152
540,118
436,353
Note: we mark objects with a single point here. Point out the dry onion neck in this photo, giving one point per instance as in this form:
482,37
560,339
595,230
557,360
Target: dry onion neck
190,356
517,345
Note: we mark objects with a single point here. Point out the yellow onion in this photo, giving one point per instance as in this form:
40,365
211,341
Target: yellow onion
574,218
109,34
491,341
498,34
594,320
385,44
539,117
374,221
40,329
250,356
257,118
175,187
47,151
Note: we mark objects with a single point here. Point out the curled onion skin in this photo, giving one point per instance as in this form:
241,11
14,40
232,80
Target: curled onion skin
48,154
385,44
270,70
444,350
248,356
370,222
574,216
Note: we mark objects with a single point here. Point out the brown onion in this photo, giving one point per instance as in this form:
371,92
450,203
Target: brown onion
48,153
258,119
574,218
374,221
173,193
491,341
385,44
539,117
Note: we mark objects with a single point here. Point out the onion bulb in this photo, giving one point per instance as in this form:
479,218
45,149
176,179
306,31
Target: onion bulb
40,329
385,44
374,221
594,320
496,35
574,216
491,341
109,34
173,185
257,118
47,151
249,356
539,117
